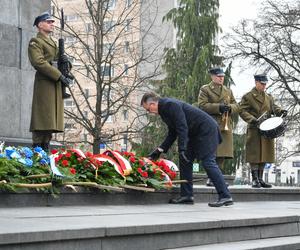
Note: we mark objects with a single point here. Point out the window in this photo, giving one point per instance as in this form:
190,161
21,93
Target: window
84,137
126,47
125,115
70,126
124,143
128,3
71,18
70,39
109,118
108,26
107,70
88,27
127,25
296,164
88,72
85,114
108,48
125,91
112,4
126,70
86,93
69,103
107,95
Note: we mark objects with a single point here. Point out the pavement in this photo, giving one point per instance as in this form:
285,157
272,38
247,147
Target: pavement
45,219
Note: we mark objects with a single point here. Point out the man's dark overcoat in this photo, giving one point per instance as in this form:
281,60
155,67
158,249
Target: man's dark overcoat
197,132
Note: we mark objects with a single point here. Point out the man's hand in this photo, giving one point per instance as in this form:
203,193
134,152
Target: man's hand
64,59
65,80
155,154
254,122
224,108
183,158
284,113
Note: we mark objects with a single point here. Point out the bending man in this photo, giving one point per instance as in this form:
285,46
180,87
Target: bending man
198,137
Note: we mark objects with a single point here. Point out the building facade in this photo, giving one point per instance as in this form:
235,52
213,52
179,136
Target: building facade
116,50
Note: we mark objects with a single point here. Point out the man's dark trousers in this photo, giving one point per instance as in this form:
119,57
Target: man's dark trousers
213,172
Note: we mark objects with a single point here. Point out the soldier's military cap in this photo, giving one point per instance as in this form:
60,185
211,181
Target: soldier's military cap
217,71
261,78
43,17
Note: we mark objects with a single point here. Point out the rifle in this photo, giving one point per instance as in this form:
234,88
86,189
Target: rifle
64,66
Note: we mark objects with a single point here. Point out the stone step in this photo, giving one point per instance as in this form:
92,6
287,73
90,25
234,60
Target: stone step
202,194
280,243
145,227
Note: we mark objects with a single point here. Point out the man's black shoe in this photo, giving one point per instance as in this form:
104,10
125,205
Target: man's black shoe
221,202
182,200
264,185
209,183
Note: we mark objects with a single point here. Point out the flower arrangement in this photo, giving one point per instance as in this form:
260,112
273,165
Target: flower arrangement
20,165
25,166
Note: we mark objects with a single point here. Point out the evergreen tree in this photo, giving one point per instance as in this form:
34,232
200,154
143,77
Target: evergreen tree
196,22
186,66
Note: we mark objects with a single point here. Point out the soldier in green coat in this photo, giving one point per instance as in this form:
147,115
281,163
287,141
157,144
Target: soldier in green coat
259,150
218,101
47,114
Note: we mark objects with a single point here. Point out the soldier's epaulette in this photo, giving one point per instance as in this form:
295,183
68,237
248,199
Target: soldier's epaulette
204,86
33,41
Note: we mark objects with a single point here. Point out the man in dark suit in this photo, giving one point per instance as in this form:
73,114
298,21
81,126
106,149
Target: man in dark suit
198,137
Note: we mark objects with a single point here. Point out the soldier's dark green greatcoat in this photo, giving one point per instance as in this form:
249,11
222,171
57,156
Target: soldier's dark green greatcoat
47,103
210,97
253,105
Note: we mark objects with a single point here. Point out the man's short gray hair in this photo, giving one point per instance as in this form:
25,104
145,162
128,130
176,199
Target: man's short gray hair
150,97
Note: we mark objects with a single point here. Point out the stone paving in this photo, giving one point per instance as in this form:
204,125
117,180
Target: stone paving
43,219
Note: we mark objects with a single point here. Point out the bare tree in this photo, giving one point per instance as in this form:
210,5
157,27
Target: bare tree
271,42
107,44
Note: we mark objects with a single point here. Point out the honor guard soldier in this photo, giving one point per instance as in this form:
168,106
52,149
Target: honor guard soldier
218,101
259,150
47,115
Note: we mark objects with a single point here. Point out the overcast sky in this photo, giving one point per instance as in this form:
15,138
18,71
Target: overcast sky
231,12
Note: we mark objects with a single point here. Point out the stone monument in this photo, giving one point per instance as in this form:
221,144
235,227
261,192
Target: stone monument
16,73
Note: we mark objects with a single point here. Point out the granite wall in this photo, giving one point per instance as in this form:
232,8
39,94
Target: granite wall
16,73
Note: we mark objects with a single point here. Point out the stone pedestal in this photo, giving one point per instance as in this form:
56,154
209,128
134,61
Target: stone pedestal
16,73
203,178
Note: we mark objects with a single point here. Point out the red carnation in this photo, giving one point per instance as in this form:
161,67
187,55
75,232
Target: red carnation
54,151
145,174
140,170
132,159
65,163
73,170
68,155
142,163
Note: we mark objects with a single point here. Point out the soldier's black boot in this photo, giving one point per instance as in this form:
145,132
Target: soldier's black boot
45,147
255,181
34,145
261,181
